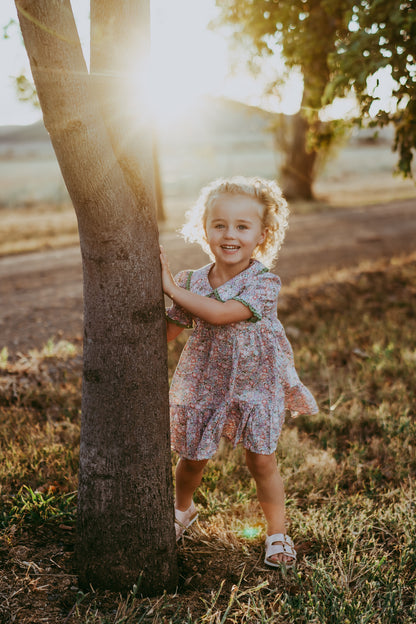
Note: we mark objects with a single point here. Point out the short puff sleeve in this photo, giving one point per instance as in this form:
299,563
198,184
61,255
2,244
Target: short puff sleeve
260,296
176,314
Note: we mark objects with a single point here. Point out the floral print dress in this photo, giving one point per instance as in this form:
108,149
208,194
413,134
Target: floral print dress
234,380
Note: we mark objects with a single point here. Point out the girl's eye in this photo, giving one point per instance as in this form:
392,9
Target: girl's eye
218,226
242,227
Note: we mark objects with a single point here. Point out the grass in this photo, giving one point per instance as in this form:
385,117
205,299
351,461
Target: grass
39,226
349,475
54,226
50,226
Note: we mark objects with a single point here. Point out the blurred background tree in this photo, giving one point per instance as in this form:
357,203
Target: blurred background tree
339,47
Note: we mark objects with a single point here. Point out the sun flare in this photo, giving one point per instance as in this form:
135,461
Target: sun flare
172,98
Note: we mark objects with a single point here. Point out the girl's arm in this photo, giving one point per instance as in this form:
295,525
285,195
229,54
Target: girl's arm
209,310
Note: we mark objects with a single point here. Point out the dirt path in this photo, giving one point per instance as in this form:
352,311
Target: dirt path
41,293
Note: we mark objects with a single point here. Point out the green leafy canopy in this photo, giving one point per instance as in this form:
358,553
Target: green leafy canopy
340,47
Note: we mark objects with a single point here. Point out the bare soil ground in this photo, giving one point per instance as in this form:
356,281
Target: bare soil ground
41,292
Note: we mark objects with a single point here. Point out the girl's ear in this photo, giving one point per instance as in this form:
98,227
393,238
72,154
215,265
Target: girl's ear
262,237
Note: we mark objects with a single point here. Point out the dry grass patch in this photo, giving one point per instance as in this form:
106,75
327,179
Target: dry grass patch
37,227
349,474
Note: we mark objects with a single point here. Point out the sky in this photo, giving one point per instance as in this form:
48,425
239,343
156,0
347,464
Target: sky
189,59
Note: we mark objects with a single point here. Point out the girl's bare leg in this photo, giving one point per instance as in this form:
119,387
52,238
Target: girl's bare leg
270,493
188,478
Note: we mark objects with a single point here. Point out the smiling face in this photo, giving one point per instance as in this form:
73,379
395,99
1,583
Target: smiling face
234,229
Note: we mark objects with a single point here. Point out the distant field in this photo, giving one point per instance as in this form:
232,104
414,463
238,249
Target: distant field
221,138
31,179
353,172
36,213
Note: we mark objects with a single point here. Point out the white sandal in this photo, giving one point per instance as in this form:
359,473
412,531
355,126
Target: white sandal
184,519
280,544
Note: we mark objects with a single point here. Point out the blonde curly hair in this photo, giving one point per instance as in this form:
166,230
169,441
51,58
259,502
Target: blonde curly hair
267,192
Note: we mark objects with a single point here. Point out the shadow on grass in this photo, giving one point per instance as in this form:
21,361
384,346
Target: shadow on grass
349,474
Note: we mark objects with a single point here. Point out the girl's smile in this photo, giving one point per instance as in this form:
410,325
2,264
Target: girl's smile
234,229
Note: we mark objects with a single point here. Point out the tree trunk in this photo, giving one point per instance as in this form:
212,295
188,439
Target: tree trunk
160,207
125,508
120,50
297,172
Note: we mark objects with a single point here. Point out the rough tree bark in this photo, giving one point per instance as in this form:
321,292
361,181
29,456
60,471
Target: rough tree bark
125,509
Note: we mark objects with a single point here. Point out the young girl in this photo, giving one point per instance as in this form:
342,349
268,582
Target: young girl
236,375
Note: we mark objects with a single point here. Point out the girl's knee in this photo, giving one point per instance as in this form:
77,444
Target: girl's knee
191,465
260,465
